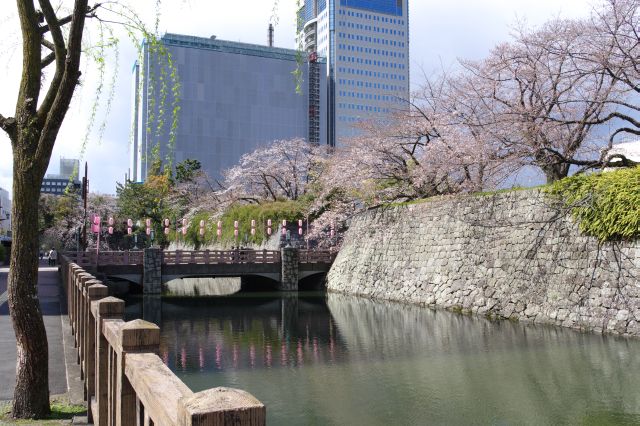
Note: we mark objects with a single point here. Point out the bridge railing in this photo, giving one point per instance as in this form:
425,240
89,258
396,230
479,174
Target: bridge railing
208,257
313,256
125,381
91,258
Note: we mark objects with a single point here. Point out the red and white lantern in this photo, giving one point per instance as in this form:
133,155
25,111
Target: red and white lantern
110,230
129,231
129,223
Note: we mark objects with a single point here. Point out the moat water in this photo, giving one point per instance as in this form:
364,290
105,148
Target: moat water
327,359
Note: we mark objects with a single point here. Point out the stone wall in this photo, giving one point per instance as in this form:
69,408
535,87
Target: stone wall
514,255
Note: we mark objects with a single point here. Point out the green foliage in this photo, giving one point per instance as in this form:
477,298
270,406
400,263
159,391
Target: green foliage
139,201
244,213
607,205
187,170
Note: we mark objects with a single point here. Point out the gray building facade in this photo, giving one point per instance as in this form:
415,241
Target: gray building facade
5,213
232,98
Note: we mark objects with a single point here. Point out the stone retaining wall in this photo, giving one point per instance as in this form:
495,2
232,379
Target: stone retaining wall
512,255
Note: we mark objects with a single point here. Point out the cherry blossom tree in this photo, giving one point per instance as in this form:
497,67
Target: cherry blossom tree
281,170
545,105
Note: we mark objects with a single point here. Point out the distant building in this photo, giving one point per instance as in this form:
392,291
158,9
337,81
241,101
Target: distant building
234,97
57,184
366,43
5,213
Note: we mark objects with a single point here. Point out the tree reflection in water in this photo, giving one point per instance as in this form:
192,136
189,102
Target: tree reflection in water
346,360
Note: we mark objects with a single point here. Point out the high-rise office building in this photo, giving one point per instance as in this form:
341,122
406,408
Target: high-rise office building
5,213
64,181
233,98
366,44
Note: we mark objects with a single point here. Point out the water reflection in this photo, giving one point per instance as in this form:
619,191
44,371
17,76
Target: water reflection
218,334
316,359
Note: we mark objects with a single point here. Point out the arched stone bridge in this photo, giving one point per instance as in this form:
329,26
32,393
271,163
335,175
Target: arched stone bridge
153,267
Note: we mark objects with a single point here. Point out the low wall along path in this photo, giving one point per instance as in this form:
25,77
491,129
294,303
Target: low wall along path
514,255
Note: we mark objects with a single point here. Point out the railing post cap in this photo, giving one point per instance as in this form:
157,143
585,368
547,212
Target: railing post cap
97,290
139,334
110,305
209,404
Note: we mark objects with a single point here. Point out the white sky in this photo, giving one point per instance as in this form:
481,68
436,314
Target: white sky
440,32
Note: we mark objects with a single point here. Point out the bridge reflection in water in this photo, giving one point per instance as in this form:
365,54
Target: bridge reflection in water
245,331
339,360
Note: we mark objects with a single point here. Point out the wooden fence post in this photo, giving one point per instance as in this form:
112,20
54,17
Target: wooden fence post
106,309
95,292
136,336
83,306
221,407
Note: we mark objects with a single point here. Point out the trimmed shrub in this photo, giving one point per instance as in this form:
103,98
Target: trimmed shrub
606,205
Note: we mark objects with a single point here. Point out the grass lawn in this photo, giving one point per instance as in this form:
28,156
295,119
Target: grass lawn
61,414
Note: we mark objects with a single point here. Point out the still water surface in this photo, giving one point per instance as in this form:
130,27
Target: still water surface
327,359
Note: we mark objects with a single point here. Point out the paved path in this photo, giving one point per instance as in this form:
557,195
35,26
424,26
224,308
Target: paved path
48,293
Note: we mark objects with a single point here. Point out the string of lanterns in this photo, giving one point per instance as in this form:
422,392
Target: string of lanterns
96,227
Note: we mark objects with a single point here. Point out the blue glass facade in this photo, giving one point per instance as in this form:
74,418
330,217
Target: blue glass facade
366,43
389,7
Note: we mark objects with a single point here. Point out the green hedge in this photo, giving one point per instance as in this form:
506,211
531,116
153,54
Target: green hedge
606,205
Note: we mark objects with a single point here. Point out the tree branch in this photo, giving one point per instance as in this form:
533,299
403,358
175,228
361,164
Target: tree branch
47,60
53,114
59,52
46,43
8,125
64,21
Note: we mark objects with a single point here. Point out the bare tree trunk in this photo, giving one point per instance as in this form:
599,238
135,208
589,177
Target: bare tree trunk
555,172
31,396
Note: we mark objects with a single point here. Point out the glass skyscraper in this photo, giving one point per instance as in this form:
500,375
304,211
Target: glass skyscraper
366,43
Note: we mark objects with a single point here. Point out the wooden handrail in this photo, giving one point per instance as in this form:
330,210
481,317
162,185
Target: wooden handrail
201,257
126,383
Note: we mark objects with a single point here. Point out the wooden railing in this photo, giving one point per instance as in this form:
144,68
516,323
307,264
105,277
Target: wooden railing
125,382
91,258
313,256
220,257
